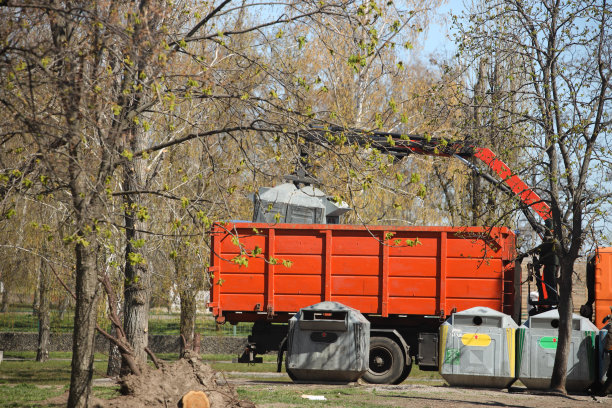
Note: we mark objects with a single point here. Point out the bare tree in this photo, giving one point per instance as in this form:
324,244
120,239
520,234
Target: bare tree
561,50
94,93
44,317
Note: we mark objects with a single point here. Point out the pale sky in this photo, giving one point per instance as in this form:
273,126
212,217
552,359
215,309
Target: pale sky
438,41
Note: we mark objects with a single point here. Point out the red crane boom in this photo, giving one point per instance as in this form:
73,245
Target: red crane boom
402,145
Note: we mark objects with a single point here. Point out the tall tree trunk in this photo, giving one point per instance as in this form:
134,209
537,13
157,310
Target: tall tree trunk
36,301
566,307
137,287
136,310
188,319
83,345
5,298
477,102
86,209
44,324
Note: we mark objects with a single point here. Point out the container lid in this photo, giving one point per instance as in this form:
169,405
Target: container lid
550,320
288,193
331,311
481,316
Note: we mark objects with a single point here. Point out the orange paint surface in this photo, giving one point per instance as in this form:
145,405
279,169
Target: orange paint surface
603,285
378,270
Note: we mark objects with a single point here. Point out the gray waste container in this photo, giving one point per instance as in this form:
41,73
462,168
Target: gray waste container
537,345
328,342
477,348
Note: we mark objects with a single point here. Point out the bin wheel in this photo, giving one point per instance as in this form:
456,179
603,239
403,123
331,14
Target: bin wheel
290,374
386,362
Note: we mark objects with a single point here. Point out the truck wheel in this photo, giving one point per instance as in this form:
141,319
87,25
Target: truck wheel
405,373
386,361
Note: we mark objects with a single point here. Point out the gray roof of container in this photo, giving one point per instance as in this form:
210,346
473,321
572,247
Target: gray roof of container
288,193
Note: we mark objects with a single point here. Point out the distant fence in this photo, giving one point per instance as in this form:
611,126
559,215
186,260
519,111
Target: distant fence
21,319
157,343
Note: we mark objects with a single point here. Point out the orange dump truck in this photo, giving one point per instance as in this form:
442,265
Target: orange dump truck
600,289
405,280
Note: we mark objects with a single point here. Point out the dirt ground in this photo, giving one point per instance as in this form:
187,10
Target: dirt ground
422,395
164,388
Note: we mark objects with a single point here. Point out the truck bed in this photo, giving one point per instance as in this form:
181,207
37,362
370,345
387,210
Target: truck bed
270,271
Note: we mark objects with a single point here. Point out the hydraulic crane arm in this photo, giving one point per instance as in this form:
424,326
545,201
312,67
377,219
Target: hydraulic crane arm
400,146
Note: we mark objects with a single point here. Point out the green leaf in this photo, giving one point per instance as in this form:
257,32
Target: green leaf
422,191
135,258
127,154
241,260
138,243
142,214
301,41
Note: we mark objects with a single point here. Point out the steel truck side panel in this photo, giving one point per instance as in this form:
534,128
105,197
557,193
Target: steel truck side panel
280,268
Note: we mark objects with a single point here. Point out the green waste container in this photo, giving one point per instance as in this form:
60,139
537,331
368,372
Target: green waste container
537,341
477,349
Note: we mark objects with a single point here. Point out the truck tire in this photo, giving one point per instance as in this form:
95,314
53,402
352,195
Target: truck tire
405,373
386,361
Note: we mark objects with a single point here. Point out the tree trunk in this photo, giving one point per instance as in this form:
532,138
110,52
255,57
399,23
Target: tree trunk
84,326
478,101
137,287
188,320
5,298
566,307
44,324
36,301
136,312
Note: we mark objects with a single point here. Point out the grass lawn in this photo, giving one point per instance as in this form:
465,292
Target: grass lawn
52,372
24,382
29,395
